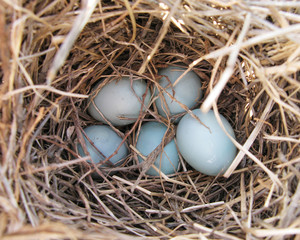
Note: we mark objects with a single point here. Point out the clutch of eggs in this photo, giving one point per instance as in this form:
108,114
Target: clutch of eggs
203,144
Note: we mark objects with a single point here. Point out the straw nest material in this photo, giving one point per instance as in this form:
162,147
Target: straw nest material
247,54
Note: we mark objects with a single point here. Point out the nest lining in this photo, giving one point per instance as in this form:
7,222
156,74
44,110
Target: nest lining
47,192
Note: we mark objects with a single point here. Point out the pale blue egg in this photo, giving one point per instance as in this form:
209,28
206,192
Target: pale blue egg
120,101
187,91
150,136
106,141
207,150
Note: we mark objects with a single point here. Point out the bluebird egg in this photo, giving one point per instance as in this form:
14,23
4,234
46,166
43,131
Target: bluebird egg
187,91
206,148
120,101
106,142
150,136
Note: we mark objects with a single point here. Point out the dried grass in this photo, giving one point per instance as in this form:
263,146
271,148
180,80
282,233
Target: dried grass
52,53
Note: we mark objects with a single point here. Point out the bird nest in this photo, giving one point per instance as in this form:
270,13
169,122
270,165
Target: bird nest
247,54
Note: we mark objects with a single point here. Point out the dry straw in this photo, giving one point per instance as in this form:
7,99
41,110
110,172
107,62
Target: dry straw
247,54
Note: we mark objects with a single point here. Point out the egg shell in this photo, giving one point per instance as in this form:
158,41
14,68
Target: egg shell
187,91
118,99
209,151
106,141
150,136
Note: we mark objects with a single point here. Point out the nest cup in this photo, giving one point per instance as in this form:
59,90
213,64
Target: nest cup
53,54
